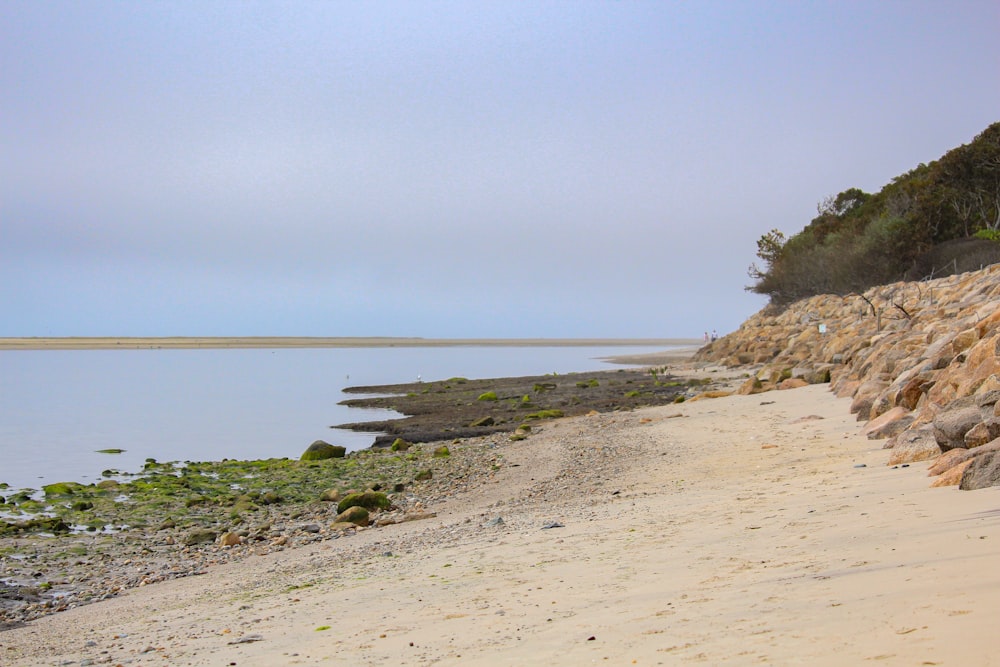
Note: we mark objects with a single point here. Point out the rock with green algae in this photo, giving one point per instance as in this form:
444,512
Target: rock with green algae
320,450
370,500
62,489
356,514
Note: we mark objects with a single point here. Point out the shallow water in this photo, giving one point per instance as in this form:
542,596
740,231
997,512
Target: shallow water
57,408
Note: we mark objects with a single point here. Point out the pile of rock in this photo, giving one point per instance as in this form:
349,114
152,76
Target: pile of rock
920,359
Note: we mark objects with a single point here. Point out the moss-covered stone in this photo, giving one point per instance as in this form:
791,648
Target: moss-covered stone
545,414
370,500
62,489
487,396
442,452
356,514
320,451
399,445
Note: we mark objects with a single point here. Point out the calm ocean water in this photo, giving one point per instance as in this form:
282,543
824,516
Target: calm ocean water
57,408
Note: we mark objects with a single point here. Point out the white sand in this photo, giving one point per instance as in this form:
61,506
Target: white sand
685,540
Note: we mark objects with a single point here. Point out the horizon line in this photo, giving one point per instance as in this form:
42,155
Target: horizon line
252,342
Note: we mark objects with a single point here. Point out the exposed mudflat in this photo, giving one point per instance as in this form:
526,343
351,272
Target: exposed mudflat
462,408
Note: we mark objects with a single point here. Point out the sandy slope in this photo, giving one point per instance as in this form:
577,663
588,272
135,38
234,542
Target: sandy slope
743,532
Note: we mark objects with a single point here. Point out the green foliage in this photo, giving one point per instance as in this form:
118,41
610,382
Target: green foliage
859,240
487,396
584,384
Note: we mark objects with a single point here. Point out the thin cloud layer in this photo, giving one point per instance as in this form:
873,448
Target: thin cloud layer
448,169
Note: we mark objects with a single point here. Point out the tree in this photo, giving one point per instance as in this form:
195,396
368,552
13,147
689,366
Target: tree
769,248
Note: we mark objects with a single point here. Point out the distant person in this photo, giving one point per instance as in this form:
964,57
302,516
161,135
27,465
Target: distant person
715,336
706,336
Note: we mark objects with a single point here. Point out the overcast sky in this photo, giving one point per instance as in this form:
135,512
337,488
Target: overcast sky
449,169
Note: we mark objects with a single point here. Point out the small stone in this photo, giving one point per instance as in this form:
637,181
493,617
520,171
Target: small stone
230,540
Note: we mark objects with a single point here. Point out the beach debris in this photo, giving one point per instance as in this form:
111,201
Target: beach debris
494,522
247,639
552,524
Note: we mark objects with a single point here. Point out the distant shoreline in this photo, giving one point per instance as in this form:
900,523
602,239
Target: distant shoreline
264,342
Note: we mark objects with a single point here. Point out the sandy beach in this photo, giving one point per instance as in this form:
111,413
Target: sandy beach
758,529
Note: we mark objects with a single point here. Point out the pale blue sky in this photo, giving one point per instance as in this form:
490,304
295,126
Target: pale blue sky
449,169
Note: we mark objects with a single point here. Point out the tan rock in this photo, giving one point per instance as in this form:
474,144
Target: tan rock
952,476
963,340
948,460
912,446
792,383
913,391
719,393
341,526
982,433
230,540
330,496
888,424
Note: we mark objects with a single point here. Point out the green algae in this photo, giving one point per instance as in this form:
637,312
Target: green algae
205,494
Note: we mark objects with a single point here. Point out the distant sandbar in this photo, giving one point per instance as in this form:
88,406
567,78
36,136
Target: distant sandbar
248,342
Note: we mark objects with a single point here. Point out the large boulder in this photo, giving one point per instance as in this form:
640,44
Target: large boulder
370,500
952,423
891,423
355,514
952,476
982,472
983,432
916,445
321,450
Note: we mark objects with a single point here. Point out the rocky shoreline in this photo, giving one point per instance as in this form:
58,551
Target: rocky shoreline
178,520
920,361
